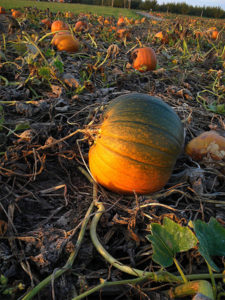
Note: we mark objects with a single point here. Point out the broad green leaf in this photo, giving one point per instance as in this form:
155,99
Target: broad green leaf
211,238
169,239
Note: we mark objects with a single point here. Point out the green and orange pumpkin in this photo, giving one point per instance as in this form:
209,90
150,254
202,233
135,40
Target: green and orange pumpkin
137,145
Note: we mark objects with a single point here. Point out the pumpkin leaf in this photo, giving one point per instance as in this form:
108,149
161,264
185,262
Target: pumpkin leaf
169,239
211,238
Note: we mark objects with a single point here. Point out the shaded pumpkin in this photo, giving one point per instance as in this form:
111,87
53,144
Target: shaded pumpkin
207,143
2,10
137,145
143,59
65,41
16,14
47,22
59,25
80,26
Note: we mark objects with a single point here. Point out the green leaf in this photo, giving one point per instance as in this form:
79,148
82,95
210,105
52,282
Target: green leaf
169,239
211,238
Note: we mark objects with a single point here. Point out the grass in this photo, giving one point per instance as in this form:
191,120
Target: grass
73,7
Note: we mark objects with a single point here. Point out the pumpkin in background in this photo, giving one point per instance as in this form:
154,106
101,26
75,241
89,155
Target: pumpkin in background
65,41
162,36
47,22
207,143
137,145
16,14
143,59
59,25
212,33
80,26
2,10
121,21
123,33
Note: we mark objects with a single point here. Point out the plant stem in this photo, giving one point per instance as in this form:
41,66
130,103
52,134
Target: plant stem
105,283
180,270
212,280
162,276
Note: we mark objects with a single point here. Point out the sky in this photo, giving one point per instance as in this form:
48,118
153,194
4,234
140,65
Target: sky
220,3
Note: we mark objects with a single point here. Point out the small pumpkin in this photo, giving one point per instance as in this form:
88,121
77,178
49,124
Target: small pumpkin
121,21
59,25
80,26
47,22
212,33
16,14
2,10
162,36
207,143
137,145
123,33
143,59
65,41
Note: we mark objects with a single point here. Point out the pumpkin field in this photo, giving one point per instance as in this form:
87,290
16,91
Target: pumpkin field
112,154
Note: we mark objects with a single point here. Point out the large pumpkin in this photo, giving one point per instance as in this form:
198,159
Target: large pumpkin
65,41
137,146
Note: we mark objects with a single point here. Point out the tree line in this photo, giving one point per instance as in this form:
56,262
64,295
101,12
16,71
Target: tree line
148,5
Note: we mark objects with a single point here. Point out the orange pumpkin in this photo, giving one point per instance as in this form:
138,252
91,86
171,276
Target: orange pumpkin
163,36
123,33
143,59
2,10
65,41
208,143
212,33
137,145
80,26
47,22
16,14
59,25
121,21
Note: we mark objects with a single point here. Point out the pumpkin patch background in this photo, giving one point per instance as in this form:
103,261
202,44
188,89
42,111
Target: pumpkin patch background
48,94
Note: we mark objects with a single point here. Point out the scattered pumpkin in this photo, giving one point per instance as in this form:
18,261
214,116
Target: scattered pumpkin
16,14
207,143
69,14
80,26
65,41
212,33
121,21
137,145
163,36
59,25
2,10
143,59
47,22
123,33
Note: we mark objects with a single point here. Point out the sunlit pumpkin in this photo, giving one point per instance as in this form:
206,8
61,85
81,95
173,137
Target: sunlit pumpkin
121,21
123,33
137,146
143,59
69,14
2,10
47,22
16,14
208,143
162,36
59,25
65,41
212,33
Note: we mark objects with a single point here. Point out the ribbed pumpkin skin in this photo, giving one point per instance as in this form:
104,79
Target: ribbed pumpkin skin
145,59
140,139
